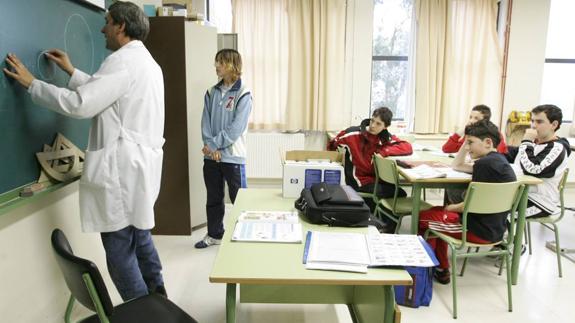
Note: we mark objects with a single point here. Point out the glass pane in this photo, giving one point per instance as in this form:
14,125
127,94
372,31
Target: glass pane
391,27
559,87
560,42
388,86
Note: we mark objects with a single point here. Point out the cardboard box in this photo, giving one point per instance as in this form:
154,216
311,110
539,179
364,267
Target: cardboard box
302,168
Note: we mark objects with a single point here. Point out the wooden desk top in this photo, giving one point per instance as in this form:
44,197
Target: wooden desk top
281,263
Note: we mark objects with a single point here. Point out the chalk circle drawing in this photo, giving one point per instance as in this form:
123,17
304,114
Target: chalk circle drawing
46,68
79,43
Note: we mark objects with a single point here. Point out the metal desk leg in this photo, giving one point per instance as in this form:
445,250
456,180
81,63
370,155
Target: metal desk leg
416,195
373,304
230,303
518,239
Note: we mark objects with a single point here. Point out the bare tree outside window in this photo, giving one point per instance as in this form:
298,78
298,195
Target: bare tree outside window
391,42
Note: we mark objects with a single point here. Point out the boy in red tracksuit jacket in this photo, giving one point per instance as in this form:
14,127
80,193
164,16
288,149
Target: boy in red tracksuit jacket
361,143
457,139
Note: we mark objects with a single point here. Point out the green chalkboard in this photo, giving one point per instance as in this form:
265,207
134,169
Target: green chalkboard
27,29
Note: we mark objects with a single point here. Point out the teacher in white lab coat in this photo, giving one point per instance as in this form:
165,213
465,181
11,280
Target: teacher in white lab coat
122,169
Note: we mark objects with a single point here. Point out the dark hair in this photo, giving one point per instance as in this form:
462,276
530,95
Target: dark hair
384,114
136,22
484,129
232,60
552,112
484,110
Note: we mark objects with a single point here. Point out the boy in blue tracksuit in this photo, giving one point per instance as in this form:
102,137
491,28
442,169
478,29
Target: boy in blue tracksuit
227,107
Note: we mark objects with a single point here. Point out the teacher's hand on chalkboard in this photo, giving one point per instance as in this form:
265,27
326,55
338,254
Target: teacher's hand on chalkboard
61,59
19,72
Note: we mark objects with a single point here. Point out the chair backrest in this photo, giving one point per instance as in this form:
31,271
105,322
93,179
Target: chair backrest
73,268
489,198
561,188
385,169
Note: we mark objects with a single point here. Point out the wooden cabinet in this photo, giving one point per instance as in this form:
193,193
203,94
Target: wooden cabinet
185,51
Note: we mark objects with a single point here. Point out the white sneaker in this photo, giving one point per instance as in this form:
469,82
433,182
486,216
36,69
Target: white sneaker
206,242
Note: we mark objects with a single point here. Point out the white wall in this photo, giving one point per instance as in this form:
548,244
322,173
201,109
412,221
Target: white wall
526,55
32,287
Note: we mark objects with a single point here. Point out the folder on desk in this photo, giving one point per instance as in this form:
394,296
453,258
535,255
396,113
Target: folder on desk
356,252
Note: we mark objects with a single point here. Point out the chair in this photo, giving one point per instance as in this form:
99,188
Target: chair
397,207
87,286
483,198
550,222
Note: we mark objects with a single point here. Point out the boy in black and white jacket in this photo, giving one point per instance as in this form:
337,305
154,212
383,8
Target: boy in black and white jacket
544,155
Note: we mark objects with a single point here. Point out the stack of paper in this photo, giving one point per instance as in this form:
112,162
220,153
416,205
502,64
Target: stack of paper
424,171
268,226
336,251
356,252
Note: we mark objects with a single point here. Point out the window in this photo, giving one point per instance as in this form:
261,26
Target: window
392,36
558,85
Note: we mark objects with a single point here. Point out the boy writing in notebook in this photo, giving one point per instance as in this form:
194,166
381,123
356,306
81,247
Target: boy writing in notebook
481,141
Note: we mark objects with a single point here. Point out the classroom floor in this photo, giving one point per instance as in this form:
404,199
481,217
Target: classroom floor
539,296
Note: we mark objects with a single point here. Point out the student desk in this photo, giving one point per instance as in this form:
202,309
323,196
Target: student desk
274,273
419,184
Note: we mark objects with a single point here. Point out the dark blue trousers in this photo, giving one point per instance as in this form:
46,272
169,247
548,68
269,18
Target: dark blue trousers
133,261
214,176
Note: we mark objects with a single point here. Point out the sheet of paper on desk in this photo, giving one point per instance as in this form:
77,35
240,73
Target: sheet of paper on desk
441,154
399,250
452,173
418,147
269,216
413,156
268,226
337,251
424,171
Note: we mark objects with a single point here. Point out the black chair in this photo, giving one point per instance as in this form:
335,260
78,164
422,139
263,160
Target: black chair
87,286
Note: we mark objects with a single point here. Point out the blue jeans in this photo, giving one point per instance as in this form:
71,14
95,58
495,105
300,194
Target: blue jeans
214,176
133,261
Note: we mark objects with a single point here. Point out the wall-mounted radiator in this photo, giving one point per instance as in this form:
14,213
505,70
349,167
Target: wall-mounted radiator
265,150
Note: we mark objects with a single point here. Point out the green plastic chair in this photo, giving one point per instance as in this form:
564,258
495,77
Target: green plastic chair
483,198
394,208
550,222
88,288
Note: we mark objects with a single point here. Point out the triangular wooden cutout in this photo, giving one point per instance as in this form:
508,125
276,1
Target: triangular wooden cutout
61,162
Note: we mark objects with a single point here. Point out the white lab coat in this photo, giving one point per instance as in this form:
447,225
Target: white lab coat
123,165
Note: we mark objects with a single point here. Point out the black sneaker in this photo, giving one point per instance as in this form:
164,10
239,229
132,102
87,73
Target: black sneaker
443,277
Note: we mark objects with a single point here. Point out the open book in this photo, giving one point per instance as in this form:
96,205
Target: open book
268,226
356,252
423,171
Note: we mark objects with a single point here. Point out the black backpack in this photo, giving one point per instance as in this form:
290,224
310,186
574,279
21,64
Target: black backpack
334,205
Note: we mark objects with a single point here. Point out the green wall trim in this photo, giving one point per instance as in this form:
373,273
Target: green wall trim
11,199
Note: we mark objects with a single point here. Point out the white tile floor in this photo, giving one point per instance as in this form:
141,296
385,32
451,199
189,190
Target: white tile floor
539,296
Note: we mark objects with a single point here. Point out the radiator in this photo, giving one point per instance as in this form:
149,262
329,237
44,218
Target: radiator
265,151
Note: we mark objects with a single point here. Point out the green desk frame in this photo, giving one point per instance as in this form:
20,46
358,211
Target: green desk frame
419,185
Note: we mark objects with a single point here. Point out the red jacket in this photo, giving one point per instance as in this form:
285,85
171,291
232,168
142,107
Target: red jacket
455,142
361,146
